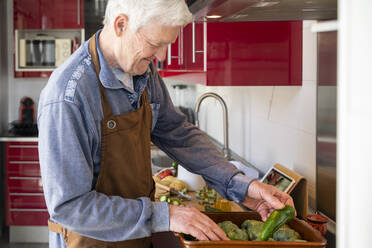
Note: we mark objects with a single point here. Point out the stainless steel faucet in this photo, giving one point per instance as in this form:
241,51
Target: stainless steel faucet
225,149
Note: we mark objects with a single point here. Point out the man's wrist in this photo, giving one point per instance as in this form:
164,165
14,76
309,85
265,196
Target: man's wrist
238,187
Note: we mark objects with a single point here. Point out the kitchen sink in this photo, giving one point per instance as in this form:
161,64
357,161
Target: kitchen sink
159,160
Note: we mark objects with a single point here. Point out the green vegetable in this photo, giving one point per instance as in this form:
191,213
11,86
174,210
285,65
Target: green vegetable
175,165
208,208
286,234
232,231
276,219
163,198
206,196
227,226
253,228
175,202
237,234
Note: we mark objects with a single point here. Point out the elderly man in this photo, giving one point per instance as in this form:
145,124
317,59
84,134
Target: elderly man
97,116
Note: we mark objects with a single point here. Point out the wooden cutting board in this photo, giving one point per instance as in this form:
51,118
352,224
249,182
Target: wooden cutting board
195,203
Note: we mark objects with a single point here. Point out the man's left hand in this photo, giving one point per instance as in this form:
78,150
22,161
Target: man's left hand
265,199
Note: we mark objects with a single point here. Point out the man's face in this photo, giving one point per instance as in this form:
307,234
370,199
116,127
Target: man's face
136,50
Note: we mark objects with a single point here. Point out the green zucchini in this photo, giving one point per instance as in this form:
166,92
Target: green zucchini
208,208
276,219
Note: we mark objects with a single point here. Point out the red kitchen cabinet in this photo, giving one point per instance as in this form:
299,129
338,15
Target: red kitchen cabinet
25,204
242,54
43,16
49,14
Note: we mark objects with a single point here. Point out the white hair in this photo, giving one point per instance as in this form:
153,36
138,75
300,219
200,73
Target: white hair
141,12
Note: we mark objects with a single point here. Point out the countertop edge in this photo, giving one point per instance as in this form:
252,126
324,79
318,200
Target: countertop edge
19,139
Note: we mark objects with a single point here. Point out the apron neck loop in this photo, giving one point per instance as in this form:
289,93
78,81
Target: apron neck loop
107,112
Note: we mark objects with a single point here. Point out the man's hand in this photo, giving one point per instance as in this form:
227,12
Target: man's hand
191,221
265,199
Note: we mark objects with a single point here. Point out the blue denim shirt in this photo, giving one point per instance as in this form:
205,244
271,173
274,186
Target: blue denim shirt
69,118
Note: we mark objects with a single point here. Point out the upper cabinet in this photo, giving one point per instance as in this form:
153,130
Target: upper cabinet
46,33
239,54
49,14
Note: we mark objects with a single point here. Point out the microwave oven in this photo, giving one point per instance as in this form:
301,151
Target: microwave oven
43,52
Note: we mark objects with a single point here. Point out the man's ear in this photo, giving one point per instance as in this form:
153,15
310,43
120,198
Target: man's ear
120,24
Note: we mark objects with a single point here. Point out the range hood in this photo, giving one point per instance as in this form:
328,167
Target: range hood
262,10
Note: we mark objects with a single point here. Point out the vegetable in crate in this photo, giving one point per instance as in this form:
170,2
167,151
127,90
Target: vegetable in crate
232,231
286,234
237,234
276,219
253,228
227,226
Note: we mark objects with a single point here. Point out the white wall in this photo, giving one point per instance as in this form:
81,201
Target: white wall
267,124
18,87
3,69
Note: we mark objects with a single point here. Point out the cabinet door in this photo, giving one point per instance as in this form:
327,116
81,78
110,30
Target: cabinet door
27,14
194,46
62,14
48,14
255,53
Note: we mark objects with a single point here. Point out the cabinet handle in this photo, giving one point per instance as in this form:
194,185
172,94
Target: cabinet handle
23,146
25,178
27,194
204,51
180,47
169,54
23,162
205,44
78,12
27,210
170,57
193,42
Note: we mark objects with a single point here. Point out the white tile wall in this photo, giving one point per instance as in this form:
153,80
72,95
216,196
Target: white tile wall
269,125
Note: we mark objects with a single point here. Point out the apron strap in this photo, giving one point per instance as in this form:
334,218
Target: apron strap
93,52
57,228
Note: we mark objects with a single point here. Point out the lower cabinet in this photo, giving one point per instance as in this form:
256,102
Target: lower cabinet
24,198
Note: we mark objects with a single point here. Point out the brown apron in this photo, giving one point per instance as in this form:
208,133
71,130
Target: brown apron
125,162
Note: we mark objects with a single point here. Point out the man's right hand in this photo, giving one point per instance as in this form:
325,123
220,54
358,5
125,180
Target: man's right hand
191,221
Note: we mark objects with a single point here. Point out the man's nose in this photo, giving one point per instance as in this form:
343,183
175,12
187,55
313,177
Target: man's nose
161,53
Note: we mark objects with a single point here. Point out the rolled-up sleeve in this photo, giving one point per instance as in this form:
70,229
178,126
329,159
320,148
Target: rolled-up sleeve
188,145
65,151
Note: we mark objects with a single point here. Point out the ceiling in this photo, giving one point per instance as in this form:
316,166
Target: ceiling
264,10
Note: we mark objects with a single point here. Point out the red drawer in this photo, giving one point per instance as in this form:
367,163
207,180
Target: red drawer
27,217
28,201
22,151
23,169
25,185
